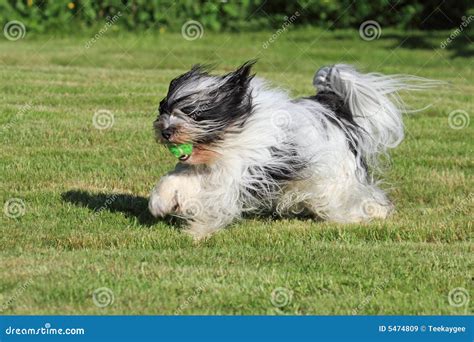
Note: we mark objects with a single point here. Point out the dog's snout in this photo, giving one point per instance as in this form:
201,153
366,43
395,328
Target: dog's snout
167,133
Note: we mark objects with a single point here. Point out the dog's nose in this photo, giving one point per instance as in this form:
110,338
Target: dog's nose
166,133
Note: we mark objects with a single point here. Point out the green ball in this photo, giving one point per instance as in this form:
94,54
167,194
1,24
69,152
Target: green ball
180,150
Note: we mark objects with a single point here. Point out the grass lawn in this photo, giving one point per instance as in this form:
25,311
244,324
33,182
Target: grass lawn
86,226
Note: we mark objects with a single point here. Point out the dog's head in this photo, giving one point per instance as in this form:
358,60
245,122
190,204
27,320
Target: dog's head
201,109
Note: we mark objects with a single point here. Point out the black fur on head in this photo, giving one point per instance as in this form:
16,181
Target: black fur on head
214,102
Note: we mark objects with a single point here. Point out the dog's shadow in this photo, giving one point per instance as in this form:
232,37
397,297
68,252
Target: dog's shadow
135,207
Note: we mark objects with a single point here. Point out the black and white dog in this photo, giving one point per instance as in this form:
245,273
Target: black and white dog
255,149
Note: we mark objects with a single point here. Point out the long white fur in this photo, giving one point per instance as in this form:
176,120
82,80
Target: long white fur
334,185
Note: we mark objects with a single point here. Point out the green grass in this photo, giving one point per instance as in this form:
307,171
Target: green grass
60,251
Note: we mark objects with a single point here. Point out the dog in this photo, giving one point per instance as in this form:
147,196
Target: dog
257,150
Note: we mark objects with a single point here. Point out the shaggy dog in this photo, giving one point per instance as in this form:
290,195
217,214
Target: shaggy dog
255,149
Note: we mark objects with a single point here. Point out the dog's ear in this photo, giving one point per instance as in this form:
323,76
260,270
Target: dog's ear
241,77
243,72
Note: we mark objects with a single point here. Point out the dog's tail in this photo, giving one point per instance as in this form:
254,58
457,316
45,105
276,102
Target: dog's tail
373,102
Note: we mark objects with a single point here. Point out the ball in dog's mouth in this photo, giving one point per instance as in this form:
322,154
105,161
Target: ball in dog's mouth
181,151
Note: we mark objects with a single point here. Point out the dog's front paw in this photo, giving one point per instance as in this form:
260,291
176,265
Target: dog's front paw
160,207
163,200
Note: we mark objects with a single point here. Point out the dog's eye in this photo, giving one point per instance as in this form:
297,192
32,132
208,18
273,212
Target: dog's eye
193,114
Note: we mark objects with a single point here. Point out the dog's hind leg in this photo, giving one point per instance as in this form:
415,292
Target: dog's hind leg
348,203
336,192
